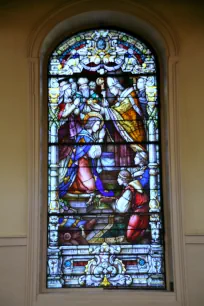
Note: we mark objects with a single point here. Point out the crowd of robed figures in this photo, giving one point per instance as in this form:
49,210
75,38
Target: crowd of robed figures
86,117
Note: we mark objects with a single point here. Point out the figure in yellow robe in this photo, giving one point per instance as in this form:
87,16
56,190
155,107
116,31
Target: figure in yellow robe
127,114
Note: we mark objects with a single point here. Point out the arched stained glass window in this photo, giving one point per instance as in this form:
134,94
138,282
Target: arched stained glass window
105,224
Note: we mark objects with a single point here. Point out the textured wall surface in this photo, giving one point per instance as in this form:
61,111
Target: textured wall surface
17,20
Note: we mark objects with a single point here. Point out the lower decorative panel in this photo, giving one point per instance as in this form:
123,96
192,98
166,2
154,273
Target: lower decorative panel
109,266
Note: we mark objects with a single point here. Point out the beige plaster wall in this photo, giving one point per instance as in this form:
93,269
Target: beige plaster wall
17,19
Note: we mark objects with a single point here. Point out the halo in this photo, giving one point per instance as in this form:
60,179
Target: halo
144,155
94,114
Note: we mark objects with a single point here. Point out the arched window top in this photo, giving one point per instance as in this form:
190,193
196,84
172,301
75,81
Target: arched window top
102,51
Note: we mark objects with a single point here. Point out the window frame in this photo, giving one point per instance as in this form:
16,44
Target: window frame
37,184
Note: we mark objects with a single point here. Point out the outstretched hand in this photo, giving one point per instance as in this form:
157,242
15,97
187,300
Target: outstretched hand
101,133
107,199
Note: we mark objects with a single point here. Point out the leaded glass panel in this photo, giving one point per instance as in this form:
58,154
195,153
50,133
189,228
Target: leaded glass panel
105,222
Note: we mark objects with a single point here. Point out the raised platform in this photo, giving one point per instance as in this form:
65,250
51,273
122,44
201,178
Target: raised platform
80,202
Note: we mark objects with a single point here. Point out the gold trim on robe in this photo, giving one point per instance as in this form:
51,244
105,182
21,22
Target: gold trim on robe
129,109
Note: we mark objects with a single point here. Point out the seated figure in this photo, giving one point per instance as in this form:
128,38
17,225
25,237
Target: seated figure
81,174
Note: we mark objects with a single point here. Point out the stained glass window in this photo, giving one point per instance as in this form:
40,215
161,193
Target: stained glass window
105,224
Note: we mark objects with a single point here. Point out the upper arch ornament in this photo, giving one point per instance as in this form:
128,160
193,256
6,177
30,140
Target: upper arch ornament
102,51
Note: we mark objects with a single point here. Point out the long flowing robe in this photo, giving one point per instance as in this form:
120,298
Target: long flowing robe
127,117
138,224
68,131
81,175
